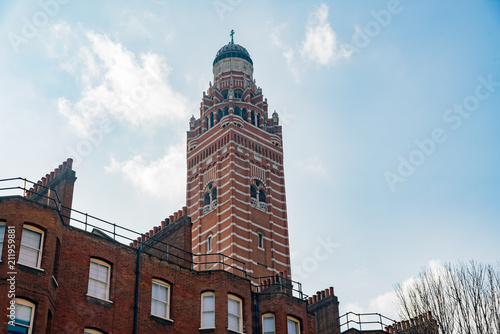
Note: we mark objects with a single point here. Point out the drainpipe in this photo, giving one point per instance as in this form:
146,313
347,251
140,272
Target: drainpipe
137,277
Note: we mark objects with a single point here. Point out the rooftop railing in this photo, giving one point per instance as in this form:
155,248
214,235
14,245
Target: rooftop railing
281,284
150,244
364,321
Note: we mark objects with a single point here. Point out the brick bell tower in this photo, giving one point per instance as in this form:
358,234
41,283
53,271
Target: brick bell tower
235,179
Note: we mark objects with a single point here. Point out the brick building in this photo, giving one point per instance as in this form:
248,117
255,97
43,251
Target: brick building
221,264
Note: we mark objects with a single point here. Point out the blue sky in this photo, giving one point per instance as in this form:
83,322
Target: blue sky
390,114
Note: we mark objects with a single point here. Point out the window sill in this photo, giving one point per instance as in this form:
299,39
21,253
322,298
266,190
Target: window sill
99,299
31,267
161,320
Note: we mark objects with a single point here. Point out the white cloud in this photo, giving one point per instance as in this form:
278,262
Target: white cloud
313,166
164,178
116,85
320,44
287,52
386,303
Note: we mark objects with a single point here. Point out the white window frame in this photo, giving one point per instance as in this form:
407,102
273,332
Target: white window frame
239,316
203,311
32,306
260,240
267,331
39,251
296,323
209,243
3,226
166,302
107,282
91,331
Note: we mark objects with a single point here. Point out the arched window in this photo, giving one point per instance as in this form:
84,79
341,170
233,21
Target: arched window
262,196
219,115
268,326
226,111
214,195
211,119
237,111
160,299
30,253
208,310
224,94
210,198
258,120
25,313
244,114
252,117
292,325
234,313
99,274
258,195
238,93
253,192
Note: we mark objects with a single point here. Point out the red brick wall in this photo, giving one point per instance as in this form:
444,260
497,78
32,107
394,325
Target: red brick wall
32,284
282,305
326,313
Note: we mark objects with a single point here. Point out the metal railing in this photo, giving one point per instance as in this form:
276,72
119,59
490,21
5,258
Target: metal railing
150,244
364,321
278,283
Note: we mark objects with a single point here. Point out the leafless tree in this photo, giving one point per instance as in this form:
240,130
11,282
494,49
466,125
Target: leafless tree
461,299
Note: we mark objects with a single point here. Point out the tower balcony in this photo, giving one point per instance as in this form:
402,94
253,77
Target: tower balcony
262,206
209,207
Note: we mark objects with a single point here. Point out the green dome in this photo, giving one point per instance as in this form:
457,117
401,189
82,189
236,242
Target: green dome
232,50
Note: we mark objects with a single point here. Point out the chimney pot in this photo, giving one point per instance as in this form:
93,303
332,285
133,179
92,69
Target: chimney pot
331,291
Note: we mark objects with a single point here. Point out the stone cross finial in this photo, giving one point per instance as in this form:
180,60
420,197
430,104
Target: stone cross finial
232,33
